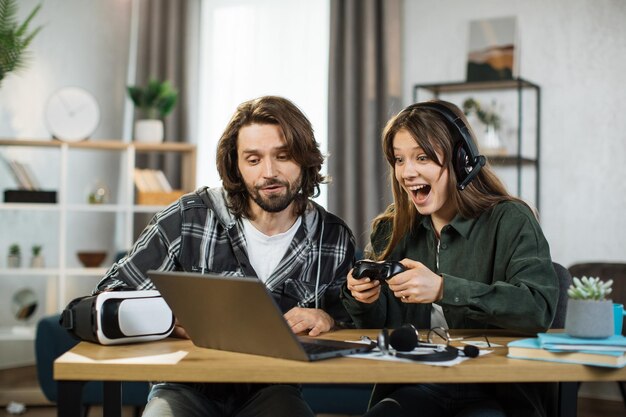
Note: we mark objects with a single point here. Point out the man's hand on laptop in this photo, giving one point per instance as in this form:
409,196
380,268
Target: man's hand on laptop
313,320
179,331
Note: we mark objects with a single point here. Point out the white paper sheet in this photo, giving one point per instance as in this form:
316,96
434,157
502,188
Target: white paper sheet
163,359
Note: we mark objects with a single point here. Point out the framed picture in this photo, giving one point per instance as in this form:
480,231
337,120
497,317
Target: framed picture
492,49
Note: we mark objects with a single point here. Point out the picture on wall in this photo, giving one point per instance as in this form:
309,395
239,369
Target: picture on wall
492,49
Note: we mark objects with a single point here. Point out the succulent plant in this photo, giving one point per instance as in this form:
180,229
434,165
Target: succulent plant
14,249
589,288
36,249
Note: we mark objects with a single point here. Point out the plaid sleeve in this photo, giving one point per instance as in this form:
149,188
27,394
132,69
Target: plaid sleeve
342,250
156,249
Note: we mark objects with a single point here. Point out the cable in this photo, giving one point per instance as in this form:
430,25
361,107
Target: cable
319,266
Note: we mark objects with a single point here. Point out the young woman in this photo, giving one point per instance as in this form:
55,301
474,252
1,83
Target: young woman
475,258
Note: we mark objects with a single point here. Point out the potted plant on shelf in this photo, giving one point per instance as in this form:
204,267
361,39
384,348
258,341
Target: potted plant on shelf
14,260
491,120
154,101
14,38
37,260
589,312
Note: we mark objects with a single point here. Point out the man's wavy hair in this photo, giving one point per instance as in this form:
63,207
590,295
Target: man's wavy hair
301,146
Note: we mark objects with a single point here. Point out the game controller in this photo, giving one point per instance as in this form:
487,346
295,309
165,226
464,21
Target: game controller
381,271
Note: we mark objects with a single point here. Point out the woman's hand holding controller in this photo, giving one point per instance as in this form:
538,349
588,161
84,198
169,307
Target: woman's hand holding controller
417,284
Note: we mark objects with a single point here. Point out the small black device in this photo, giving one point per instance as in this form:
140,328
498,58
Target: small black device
466,160
381,271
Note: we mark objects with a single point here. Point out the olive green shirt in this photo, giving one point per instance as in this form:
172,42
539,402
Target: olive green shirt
497,273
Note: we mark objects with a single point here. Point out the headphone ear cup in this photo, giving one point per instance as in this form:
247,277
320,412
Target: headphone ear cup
466,161
461,162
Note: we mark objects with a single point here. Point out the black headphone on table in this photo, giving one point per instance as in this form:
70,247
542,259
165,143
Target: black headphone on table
405,339
466,160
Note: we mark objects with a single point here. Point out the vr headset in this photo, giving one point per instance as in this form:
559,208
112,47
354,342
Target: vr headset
117,317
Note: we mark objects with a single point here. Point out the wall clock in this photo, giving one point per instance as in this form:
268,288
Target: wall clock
72,114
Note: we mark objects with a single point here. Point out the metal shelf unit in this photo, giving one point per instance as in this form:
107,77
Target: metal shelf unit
518,86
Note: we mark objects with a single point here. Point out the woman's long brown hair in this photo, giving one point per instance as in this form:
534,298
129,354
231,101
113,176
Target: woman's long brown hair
434,134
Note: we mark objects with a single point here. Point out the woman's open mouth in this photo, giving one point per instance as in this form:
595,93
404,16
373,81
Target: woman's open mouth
419,192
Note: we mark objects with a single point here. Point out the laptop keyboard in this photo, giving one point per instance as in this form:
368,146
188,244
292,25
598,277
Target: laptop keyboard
315,349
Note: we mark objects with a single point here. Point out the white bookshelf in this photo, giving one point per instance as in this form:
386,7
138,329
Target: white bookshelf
68,224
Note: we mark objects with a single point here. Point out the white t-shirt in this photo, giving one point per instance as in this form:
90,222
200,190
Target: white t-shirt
265,252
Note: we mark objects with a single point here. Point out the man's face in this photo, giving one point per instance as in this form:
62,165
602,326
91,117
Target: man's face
271,176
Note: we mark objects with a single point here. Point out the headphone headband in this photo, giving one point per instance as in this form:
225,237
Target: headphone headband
466,161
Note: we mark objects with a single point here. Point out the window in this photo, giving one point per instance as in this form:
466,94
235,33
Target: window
252,48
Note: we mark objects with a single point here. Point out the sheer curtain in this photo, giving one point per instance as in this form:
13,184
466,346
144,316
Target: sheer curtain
252,48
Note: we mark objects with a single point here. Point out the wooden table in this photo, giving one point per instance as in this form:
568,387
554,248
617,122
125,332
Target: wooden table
97,363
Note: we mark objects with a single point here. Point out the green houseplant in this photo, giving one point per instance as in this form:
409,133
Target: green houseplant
37,259
14,259
14,38
154,101
589,311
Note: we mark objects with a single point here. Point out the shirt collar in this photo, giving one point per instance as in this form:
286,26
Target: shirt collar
462,225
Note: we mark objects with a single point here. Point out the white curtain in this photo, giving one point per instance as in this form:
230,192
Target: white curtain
252,48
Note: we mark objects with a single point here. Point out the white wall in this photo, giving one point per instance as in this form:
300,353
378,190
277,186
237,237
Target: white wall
82,43
575,50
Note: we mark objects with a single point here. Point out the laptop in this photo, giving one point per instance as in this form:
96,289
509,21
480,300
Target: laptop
240,315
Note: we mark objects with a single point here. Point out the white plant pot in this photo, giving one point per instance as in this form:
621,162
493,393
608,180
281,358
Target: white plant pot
149,131
37,261
14,261
589,318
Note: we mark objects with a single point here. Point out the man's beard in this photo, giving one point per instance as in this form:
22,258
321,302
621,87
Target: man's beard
276,202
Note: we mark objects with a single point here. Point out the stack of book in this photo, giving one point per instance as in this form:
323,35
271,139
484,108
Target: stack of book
28,188
151,181
23,175
153,188
560,347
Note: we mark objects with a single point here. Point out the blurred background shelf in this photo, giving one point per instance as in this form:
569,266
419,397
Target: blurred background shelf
75,223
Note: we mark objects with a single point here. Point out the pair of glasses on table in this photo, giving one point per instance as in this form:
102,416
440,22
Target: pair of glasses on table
437,339
441,336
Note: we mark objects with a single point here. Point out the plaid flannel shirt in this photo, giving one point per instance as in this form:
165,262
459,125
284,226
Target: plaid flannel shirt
198,233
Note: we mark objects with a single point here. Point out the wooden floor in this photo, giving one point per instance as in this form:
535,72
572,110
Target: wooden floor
20,385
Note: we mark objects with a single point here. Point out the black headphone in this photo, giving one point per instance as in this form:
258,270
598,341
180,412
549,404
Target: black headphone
465,160
404,340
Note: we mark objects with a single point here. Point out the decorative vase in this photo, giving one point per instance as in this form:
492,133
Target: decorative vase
14,261
492,137
591,319
149,131
99,194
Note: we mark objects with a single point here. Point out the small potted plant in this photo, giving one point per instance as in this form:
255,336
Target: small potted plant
589,312
37,259
154,101
490,119
14,260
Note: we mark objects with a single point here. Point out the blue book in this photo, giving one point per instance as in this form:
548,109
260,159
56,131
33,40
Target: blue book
531,349
562,341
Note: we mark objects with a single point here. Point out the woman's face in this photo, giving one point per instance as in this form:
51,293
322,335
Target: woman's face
423,179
